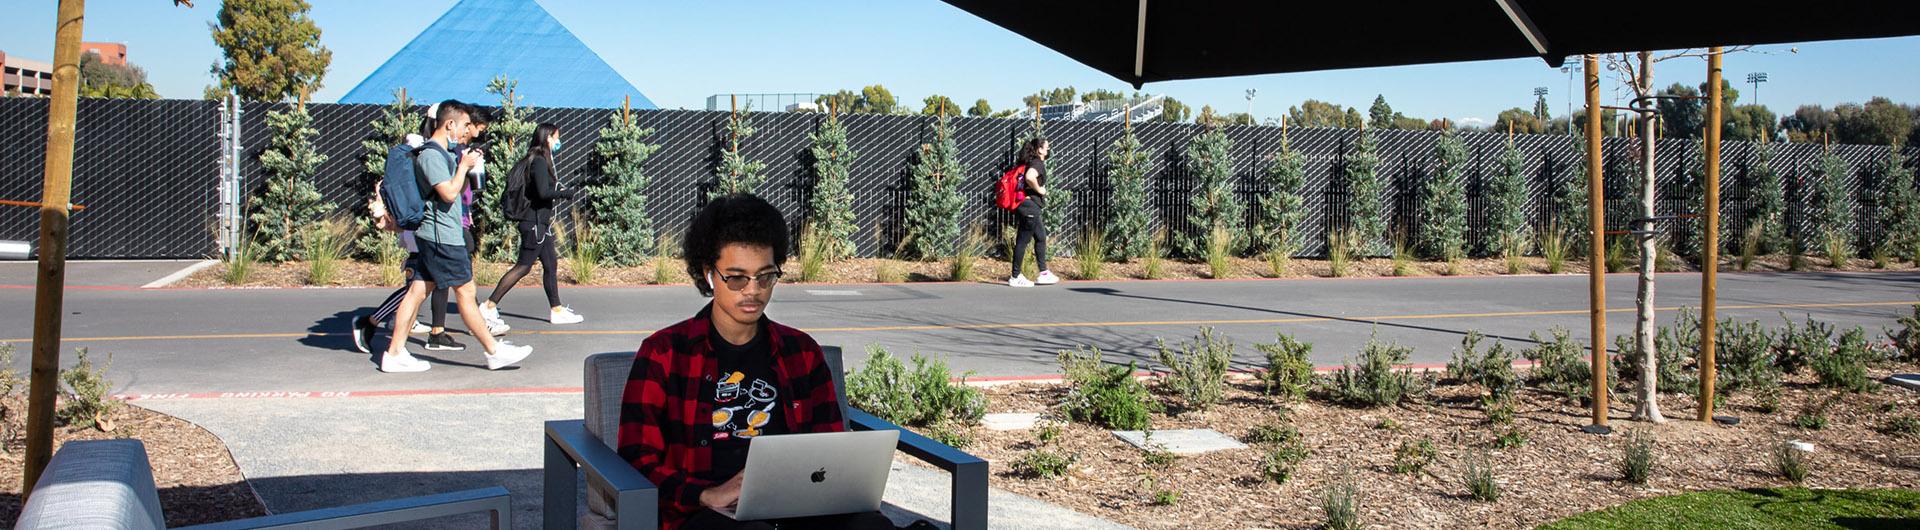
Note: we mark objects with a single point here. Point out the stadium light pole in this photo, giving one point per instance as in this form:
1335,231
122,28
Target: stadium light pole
1755,79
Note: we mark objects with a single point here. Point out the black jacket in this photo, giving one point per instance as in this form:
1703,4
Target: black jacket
543,189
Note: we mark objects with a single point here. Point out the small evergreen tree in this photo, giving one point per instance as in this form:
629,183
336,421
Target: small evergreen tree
1769,212
830,215
508,137
283,212
617,200
933,204
1215,204
1898,208
1832,206
736,174
1285,205
1128,229
1571,199
1443,231
1366,204
1506,199
396,121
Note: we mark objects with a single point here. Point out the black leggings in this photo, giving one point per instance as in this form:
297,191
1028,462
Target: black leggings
536,242
1032,228
710,520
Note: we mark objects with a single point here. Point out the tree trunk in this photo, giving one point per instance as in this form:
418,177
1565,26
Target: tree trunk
1648,408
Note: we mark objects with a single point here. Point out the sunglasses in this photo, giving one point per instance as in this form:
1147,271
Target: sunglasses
738,282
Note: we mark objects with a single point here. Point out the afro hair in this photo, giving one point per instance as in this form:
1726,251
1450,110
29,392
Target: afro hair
736,218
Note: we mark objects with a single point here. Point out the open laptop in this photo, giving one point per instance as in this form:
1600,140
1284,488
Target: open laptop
803,475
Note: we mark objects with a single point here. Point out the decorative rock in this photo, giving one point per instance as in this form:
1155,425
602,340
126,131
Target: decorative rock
1010,421
1182,441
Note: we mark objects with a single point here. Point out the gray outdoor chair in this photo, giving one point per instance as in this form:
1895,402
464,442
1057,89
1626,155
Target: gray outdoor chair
108,485
618,496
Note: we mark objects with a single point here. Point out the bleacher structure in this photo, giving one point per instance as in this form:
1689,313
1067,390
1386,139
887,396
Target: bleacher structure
1106,110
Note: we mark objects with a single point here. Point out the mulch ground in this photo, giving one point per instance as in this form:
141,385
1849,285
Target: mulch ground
198,481
1558,472
875,270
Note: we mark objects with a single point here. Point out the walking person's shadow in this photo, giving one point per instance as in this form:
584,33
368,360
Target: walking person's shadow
335,332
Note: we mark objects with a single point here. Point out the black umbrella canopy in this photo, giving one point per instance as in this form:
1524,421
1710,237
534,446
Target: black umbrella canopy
1141,41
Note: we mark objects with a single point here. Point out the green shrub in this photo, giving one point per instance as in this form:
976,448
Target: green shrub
9,376
1790,463
1337,249
955,436
1048,432
1197,371
583,255
1156,455
1413,456
1219,259
1513,250
1561,367
87,397
1283,449
1811,420
1845,366
1091,256
1510,439
1166,497
924,395
1279,260
1676,347
1882,257
1043,463
1798,345
1554,247
1637,456
814,253
1387,424
1838,250
1617,251
1273,433
1341,503
1492,370
1907,340
966,255
1155,256
1478,476
1499,409
1289,373
1902,425
1373,382
1745,359
1104,395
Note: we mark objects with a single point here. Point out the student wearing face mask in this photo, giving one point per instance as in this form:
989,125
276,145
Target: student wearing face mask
532,188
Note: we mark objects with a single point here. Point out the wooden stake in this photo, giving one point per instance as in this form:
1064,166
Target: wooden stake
50,288
1509,135
1710,264
1284,141
626,109
1596,258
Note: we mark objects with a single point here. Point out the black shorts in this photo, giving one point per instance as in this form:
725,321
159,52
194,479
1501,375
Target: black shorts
534,235
445,265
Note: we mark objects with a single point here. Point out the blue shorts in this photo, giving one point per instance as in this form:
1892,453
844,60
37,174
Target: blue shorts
444,265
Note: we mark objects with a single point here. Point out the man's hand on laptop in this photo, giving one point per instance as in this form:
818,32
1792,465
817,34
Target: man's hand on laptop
724,495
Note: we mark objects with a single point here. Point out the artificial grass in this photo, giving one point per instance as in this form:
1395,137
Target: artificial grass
1795,508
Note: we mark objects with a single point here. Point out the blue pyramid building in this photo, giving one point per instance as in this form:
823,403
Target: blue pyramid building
477,40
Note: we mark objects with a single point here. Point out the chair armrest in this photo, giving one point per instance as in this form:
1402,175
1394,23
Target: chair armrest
969,472
493,500
569,444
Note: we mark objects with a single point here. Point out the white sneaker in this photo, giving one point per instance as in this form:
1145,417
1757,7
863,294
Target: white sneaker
491,314
420,328
497,328
1019,281
506,353
565,315
1046,278
405,362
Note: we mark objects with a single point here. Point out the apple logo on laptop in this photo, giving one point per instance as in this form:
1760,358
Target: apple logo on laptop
820,476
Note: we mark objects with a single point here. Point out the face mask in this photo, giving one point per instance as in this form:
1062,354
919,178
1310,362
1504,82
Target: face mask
556,146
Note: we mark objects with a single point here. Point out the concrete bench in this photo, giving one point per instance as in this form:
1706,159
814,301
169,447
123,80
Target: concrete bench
618,496
108,485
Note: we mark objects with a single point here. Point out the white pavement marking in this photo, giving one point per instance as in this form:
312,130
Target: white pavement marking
181,274
824,292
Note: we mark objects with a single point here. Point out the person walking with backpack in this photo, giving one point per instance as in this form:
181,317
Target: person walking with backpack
437,337
442,242
1028,194
532,188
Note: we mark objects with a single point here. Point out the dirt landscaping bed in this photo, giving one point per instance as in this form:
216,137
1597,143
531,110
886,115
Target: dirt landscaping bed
877,270
198,480
1557,472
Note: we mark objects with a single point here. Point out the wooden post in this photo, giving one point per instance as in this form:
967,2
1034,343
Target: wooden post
1710,263
1596,259
1509,135
626,109
1284,141
49,289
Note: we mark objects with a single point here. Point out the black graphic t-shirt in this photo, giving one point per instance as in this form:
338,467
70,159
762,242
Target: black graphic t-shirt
746,401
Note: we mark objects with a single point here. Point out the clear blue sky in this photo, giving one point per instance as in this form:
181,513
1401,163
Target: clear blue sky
678,53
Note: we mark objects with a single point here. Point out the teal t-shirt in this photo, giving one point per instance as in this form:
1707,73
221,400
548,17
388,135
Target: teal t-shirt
442,220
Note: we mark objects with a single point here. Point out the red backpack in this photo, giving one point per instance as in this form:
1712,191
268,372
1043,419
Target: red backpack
1009,195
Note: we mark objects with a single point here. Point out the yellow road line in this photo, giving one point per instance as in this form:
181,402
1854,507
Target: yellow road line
1030,325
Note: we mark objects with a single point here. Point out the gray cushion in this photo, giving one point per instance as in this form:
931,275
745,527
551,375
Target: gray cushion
103,484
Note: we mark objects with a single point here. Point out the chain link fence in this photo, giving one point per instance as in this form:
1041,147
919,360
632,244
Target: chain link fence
148,170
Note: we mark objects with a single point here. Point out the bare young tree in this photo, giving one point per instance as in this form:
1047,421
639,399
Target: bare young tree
1636,72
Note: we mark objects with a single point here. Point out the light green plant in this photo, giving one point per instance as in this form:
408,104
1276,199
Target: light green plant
584,251
1091,256
237,268
1413,456
1289,372
1197,369
87,401
966,255
327,242
1477,474
1102,394
1374,382
1219,262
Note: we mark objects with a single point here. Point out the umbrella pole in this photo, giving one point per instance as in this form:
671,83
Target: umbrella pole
1596,260
54,196
1710,262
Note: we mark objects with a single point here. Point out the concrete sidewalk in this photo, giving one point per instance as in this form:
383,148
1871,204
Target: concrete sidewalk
101,273
307,453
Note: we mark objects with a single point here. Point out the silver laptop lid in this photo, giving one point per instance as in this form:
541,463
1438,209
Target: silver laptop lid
803,475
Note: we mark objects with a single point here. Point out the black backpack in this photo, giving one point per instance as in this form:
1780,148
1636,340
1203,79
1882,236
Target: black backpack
517,201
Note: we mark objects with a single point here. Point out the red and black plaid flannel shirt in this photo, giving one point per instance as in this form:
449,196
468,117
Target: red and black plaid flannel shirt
666,411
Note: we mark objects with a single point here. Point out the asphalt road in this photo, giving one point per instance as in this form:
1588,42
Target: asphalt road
276,340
